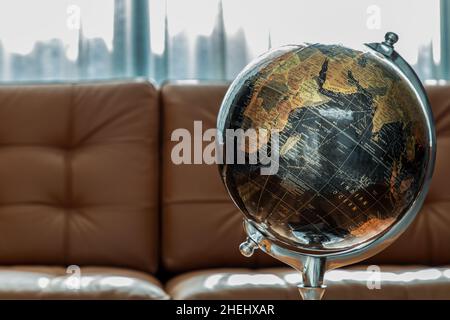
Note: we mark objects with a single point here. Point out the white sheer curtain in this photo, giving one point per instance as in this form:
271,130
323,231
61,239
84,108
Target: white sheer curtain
51,40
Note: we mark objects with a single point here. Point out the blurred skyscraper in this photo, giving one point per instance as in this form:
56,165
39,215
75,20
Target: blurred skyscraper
119,48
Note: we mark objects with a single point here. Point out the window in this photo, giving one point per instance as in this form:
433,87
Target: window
51,40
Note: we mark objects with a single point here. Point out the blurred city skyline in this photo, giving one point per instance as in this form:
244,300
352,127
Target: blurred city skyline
128,51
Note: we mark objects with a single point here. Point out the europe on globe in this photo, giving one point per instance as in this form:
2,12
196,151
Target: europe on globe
353,145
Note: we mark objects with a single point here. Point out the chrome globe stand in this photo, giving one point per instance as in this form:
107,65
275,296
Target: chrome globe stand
313,265
312,287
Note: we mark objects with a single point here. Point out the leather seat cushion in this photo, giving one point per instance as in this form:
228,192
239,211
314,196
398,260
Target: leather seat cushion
397,282
41,282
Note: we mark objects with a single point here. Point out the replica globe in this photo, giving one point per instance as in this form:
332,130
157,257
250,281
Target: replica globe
355,145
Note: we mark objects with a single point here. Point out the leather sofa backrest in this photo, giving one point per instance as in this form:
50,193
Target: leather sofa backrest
201,228
79,175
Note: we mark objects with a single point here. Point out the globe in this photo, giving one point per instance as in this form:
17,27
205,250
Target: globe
354,145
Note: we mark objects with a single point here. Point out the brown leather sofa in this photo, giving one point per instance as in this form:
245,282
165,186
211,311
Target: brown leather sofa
86,179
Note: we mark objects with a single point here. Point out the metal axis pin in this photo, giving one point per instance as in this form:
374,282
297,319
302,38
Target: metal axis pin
248,247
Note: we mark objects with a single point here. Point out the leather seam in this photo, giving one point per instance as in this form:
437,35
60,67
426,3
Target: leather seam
85,145
197,201
68,177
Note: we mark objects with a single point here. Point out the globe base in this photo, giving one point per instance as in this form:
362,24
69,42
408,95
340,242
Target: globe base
313,273
311,293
